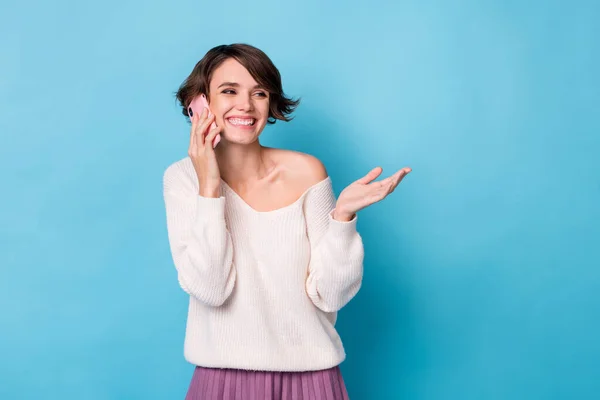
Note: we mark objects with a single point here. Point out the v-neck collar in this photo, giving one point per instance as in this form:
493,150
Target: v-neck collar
280,209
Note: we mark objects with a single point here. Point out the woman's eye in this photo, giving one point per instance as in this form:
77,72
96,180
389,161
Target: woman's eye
231,91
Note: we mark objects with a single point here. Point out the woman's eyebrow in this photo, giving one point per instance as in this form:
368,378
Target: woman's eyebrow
235,84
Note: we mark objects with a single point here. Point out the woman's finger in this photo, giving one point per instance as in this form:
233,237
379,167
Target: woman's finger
398,176
403,173
386,186
385,182
374,173
202,115
210,137
199,119
194,121
193,142
202,128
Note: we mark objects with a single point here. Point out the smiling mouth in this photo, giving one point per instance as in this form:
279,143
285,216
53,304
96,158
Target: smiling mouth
242,121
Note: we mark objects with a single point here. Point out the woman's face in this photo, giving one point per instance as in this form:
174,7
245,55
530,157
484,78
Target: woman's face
240,105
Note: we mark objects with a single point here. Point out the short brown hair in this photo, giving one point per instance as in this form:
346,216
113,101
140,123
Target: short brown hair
258,64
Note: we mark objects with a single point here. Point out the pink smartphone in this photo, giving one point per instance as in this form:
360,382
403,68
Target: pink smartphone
197,105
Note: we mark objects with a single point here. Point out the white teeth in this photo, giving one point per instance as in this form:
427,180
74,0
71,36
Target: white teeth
242,121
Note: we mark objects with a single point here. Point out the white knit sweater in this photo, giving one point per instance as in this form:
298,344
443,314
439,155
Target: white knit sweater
264,287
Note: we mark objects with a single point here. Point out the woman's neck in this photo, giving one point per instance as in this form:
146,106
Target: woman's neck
243,165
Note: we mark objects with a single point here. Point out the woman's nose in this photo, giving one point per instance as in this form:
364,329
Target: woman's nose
244,102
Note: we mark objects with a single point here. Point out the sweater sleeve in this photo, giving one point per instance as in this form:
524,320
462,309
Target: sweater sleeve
200,243
336,263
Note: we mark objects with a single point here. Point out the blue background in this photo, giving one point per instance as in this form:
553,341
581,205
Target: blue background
482,269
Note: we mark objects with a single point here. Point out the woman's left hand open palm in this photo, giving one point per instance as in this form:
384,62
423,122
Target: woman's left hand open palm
364,192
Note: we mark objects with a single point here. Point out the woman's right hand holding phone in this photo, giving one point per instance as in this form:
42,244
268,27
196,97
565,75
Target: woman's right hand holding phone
203,156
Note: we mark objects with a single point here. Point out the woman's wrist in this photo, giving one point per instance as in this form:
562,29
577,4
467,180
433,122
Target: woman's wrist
341,216
209,192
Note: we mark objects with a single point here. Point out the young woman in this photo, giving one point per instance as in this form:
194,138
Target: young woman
260,243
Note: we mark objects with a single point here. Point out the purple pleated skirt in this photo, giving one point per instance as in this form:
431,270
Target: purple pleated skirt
234,384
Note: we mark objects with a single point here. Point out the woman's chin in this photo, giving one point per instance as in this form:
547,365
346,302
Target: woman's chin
236,137
241,136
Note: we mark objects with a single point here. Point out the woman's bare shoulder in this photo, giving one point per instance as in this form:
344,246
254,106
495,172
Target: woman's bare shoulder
302,167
